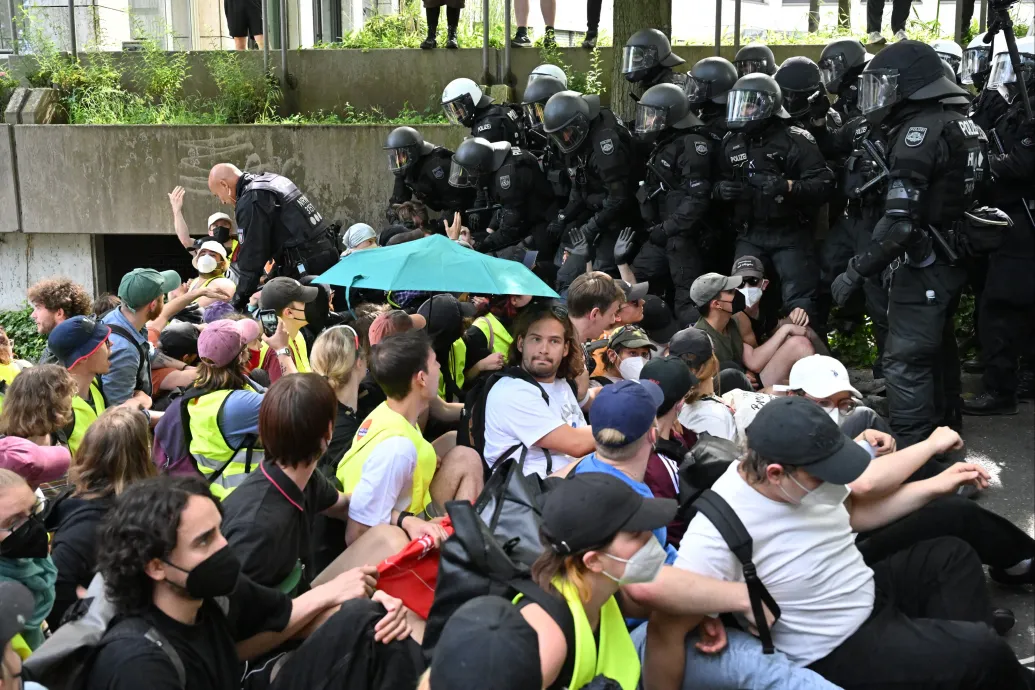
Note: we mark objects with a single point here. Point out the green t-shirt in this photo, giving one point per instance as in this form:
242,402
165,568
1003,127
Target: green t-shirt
729,346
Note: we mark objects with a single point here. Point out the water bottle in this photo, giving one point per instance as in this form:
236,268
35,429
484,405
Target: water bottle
930,297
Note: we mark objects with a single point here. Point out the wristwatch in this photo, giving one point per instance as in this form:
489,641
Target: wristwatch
282,351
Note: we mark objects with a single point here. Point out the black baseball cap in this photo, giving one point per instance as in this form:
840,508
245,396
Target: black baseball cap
586,512
657,320
16,607
179,339
672,376
486,638
693,343
281,292
634,292
796,432
748,267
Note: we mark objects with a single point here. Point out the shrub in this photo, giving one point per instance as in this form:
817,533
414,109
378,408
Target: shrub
21,329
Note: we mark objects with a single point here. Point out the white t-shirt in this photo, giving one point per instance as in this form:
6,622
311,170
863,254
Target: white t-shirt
516,413
711,415
805,556
386,483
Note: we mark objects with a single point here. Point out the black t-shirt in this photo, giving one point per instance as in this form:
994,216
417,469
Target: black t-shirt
345,426
207,648
268,522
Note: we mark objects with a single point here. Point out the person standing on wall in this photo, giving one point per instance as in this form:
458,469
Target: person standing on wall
244,19
432,9
521,39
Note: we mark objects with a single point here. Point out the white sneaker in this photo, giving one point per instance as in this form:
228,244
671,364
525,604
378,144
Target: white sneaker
900,35
875,37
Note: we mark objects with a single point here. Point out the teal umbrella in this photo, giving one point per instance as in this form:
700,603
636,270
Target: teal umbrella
434,264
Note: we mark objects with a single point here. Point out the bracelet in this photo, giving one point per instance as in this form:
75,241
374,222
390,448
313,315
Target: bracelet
402,516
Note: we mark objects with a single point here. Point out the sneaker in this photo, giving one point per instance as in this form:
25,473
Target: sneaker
590,42
521,39
429,43
989,403
549,38
900,35
1004,578
875,37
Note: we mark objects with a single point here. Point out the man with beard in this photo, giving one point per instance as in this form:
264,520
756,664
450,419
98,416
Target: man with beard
142,293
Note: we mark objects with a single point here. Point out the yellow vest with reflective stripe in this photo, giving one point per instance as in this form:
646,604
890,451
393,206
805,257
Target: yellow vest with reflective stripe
85,414
299,353
456,365
496,335
210,448
384,423
21,647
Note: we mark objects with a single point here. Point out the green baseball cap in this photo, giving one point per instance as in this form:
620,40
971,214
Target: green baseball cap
143,285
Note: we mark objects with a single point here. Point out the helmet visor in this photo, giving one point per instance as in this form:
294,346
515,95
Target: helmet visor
954,61
1003,71
459,111
797,103
534,114
649,119
831,69
399,159
750,66
459,176
570,136
696,90
638,58
877,89
749,106
974,60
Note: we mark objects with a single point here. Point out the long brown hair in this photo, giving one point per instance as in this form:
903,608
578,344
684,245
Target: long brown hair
573,363
38,402
230,377
705,372
114,453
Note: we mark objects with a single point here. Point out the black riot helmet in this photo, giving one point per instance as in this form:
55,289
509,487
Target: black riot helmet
646,51
476,158
841,61
755,57
753,101
904,71
568,117
710,80
801,85
405,146
537,93
664,106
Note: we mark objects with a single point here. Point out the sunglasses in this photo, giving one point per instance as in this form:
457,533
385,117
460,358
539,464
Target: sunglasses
752,281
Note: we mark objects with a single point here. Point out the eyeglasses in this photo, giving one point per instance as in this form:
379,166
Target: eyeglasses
36,508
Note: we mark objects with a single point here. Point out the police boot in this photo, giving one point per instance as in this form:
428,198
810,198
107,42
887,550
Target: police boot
429,42
991,403
1026,385
451,40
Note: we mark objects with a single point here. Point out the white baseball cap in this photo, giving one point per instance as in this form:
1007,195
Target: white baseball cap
219,216
820,377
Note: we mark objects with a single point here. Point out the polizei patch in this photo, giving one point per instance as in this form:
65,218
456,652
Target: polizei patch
607,146
505,181
701,148
915,136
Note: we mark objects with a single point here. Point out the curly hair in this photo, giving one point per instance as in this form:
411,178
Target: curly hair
38,402
573,363
61,293
140,528
114,453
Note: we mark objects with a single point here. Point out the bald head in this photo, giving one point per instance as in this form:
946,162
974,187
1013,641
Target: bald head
222,181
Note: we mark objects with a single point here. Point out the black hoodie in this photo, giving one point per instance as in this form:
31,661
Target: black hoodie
74,522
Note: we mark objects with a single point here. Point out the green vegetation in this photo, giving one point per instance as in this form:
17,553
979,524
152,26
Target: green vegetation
589,81
21,329
857,348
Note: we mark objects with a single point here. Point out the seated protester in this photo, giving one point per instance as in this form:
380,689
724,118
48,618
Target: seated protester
212,264
16,606
177,341
920,618
672,442
445,327
115,453
718,299
337,357
488,338
593,302
223,420
824,381
165,561
10,366
624,353
384,324
631,311
268,519
142,297
53,300
318,314
288,298
393,475
519,422
658,322
358,237
37,465
81,345
704,411
759,320
23,552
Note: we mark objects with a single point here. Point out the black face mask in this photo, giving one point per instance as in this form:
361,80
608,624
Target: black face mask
739,302
221,234
216,576
28,541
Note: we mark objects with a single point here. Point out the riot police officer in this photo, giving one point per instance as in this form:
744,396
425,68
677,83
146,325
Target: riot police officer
675,193
647,59
275,220
465,104
840,64
515,183
951,52
1008,300
755,57
805,99
989,105
709,82
935,163
602,162
533,103
775,178
421,171
548,70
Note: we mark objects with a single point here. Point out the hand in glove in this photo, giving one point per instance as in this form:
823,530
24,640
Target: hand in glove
555,228
728,190
773,187
579,245
819,105
626,247
845,284
658,236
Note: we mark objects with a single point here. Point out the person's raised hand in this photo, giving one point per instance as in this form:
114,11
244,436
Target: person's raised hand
493,362
279,339
394,625
453,229
625,246
943,439
357,583
579,242
799,317
178,291
416,528
713,636
176,199
959,474
881,442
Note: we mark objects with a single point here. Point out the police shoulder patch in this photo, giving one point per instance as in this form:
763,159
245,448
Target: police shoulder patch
438,172
915,136
607,147
505,181
968,128
834,117
803,132
701,148
1027,142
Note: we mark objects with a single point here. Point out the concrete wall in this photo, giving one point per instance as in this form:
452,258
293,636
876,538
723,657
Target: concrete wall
26,259
9,221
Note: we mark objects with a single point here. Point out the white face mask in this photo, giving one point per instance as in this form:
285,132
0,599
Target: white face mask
207,264
630,368
834,414
644,566
752,295
825,494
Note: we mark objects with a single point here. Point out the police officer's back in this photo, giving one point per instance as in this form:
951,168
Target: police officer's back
276,221
421,171
465,104
647,60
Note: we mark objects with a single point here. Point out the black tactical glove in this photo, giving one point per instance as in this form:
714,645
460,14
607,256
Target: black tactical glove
626,247
728,190
845,284
658,236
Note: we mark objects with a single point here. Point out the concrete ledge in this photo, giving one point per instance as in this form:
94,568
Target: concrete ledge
9,221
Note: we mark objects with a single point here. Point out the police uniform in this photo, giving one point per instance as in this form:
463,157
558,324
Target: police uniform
987,108
427,180
664,75
526,200
277,221
498,123
772,223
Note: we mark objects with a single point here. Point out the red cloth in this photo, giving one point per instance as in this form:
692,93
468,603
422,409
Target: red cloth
412,573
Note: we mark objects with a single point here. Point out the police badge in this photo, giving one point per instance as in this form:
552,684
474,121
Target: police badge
915,136
701,148
505,181
607,147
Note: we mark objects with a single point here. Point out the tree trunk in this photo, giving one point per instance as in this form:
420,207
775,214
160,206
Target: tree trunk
844,14
629,17
813,16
